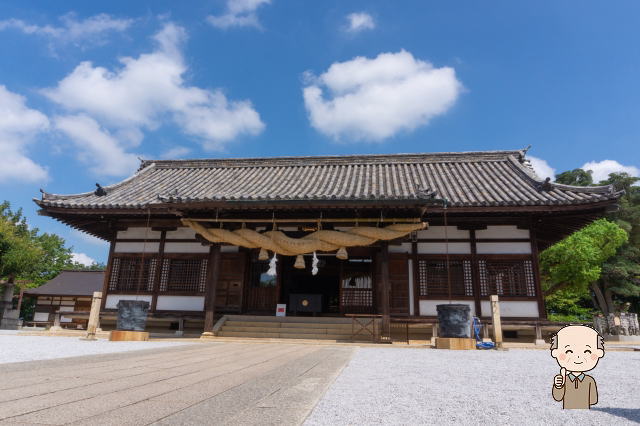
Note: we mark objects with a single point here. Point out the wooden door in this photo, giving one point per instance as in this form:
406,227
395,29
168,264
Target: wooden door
399,283
262,290
230,282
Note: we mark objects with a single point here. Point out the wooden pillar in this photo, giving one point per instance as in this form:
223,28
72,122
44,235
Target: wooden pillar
542,311
497,325
434,333
94,316
416,278
539,339
385,288
108,272
213,273
475,274
156,278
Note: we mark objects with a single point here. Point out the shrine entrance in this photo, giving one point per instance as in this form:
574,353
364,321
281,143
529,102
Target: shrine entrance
339,287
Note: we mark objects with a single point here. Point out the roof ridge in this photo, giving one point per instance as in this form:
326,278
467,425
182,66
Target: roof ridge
530,174
52,196
331,159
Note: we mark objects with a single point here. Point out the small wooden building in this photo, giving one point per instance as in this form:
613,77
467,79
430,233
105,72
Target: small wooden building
488,216
70,291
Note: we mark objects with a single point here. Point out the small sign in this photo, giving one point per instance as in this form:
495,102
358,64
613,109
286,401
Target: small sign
281,310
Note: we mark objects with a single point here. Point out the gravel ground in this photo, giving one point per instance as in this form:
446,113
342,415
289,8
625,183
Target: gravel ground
425,386
30,348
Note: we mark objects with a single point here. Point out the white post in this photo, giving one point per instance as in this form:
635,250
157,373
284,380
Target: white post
94,316
56,322
497,326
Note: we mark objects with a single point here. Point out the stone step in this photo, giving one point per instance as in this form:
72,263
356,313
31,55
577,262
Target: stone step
232,323
294,330
290,336
290,319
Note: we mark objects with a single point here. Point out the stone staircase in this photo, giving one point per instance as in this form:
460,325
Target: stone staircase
314,328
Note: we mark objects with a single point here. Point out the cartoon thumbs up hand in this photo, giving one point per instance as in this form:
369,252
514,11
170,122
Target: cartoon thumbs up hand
558,381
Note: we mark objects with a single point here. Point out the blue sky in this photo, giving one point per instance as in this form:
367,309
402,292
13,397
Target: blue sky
88,87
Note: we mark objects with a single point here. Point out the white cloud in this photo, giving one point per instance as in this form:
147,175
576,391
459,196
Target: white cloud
96,146
238,13
360,21
72,30
175,153
374,99
141,95
542,168
18,127
82,258
601,169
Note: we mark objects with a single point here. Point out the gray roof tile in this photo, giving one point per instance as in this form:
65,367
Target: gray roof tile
488,178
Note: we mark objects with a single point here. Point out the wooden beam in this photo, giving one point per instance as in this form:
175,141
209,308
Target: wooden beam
213,274
311,220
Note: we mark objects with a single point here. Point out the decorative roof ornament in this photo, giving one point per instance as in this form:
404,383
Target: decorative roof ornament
426,193
100,191
170,197
546,185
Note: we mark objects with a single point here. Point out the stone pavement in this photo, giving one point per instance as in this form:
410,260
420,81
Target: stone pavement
204,383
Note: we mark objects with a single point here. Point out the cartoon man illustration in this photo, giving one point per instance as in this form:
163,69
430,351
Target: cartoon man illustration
577,348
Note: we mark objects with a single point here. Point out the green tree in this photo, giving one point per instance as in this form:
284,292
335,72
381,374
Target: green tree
620,277
26,254
576,262
18,253
55,257
569,305
576,177
95,266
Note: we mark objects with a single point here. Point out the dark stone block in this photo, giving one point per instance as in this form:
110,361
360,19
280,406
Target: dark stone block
454,320
132,315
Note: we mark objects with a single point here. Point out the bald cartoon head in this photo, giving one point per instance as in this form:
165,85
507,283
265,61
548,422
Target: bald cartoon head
577,348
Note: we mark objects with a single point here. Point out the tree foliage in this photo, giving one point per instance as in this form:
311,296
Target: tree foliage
29,255
577,260
18,255
576,177
618,277
569,305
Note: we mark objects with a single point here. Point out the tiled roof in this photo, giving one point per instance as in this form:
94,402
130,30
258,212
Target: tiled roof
469,179
71,283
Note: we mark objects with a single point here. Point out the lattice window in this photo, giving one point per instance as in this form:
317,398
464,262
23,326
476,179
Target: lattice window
356,293
115,269
126,274
183,275
153,265
507,277
357,300
433,280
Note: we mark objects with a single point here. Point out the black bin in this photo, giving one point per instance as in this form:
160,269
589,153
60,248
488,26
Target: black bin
454,320
132,315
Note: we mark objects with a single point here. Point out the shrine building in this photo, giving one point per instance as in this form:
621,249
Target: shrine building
381,235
